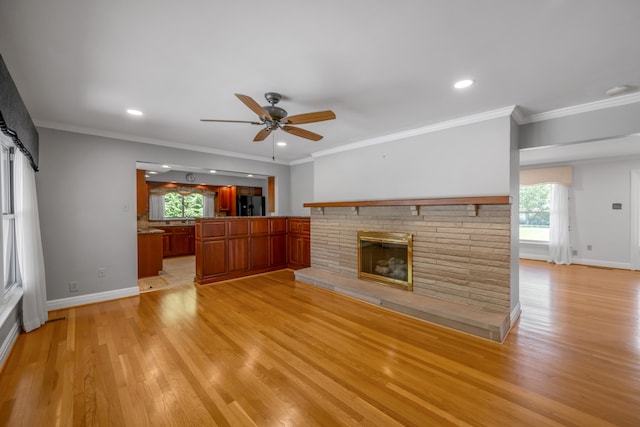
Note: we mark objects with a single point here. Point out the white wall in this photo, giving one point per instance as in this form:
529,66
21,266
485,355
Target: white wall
596,185
87,200
470,160
302,184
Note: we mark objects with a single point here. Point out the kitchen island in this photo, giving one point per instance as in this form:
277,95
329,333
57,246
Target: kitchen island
232,247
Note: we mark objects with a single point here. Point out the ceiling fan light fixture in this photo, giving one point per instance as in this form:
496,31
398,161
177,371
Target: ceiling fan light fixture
462,84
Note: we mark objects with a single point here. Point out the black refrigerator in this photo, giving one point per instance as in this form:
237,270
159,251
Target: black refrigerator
250,206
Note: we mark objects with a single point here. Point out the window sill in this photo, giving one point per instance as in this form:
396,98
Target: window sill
534,242
11,300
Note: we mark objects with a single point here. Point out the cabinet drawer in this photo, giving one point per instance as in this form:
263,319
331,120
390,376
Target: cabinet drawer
299,226
259,226
213,229
183,230
278,225
238,227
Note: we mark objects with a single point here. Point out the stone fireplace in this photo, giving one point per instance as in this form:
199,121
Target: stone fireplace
458,266
386,258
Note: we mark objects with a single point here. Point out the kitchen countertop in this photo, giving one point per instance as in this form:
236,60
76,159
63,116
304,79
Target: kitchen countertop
150,230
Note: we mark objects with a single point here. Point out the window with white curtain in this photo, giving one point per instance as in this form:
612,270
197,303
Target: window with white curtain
9,257
535,208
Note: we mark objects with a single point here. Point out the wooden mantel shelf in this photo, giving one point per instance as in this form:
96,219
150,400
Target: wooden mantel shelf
484,200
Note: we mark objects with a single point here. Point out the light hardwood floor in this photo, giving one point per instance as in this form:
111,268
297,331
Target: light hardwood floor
269,351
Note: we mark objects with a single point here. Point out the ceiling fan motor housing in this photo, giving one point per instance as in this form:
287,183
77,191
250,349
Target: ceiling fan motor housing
276,113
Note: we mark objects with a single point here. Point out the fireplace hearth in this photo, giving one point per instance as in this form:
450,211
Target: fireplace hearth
386,258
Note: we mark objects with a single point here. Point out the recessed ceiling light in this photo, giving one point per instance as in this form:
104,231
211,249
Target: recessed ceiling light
461,84
212,171
134,112
166,166
617,90
153,172
282,144
249,175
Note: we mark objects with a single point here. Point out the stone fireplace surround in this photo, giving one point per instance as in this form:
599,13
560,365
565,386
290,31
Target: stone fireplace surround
461,258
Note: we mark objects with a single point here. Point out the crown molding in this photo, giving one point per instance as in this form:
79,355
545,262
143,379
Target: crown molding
518,115
475,118
153,141
583,108
301,161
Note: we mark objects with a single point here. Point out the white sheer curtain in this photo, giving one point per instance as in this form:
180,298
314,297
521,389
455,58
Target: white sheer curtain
209,209
156,207
559,238
29,246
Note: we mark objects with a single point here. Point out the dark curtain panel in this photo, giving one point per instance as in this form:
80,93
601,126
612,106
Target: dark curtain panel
15,121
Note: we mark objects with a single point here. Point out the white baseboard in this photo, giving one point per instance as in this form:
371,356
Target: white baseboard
533,257
583,261
57,304
600,263
8,343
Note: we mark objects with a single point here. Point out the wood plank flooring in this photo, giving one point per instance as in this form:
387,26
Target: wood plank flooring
269,351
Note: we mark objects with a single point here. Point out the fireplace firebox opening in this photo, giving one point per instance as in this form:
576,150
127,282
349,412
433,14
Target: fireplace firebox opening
386,258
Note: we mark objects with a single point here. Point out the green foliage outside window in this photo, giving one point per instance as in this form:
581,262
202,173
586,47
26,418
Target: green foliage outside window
535,207
178,206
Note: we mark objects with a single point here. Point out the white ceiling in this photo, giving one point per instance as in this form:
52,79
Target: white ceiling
381,66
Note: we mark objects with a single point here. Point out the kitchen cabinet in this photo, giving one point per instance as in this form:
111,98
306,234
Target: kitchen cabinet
227,248
142,193
278,242
259,251
249,191
227,200
149,254
298,243
178,240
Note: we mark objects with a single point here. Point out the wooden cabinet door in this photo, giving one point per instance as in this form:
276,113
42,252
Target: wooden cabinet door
299,251
181,243
167,244
225,199
278,250
214,258
305,252
238,252
142,193
259,252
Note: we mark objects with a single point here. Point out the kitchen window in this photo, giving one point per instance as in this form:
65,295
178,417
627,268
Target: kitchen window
177,205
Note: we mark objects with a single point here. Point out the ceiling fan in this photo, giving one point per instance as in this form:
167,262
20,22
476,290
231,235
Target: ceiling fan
274,118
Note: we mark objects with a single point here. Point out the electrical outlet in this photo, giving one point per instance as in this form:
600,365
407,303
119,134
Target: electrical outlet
589,247
73,286
102,272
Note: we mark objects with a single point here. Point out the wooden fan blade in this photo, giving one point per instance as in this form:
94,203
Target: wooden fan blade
230,121
260,136
254,106
302,133
318,116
